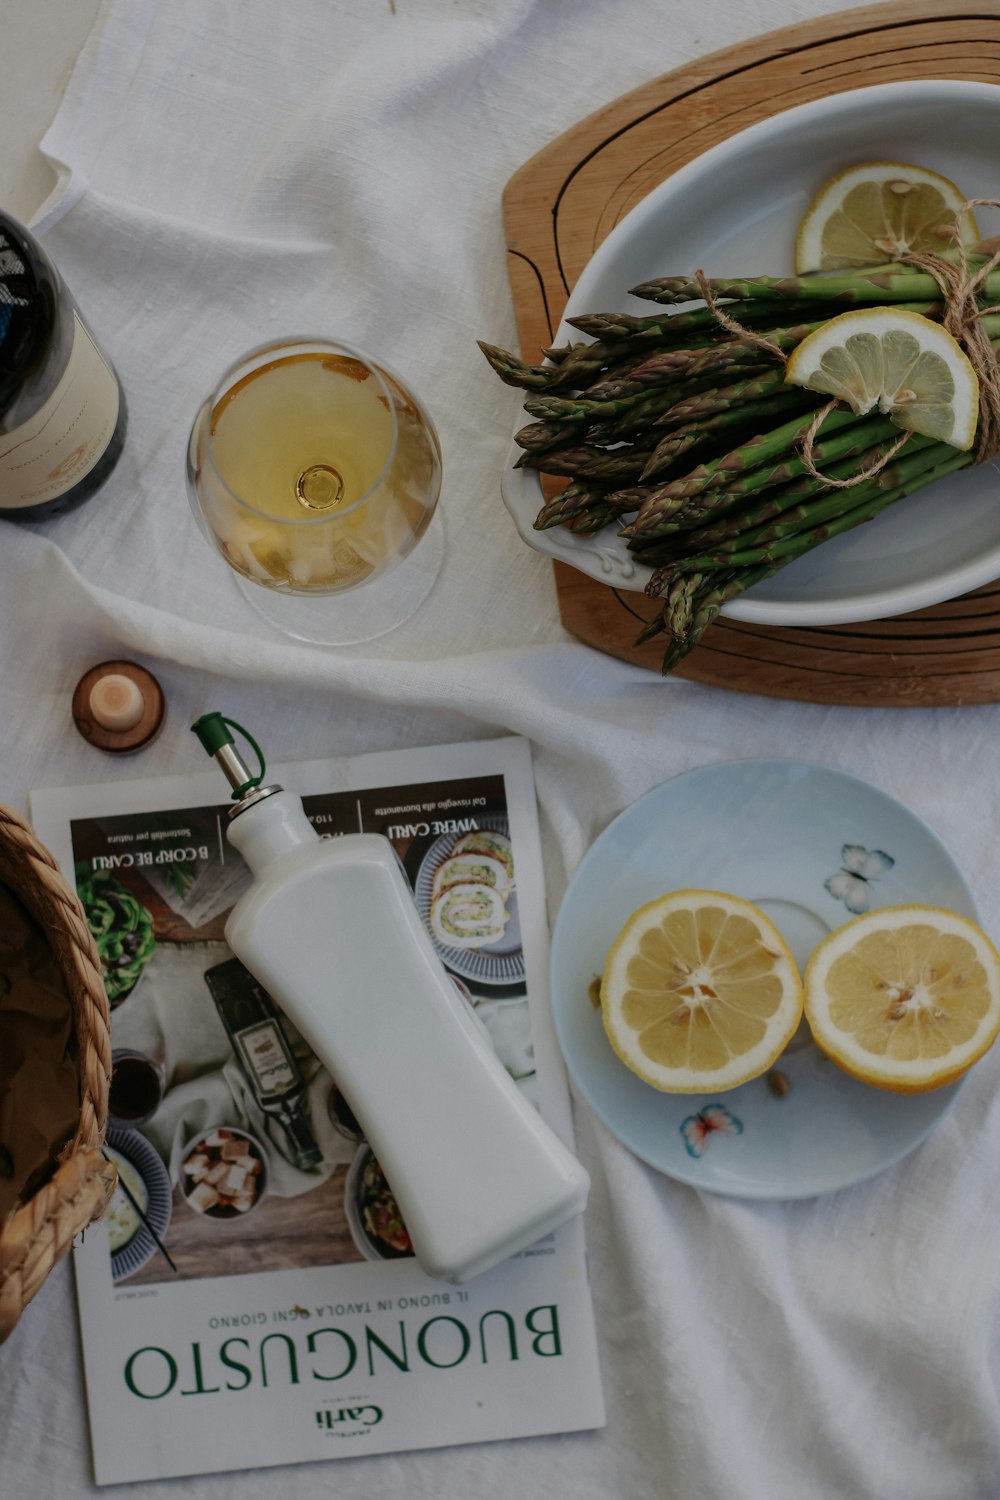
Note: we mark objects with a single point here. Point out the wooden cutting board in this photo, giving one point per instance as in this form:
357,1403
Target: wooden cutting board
564,201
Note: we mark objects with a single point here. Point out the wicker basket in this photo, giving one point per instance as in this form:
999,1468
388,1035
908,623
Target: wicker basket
38,1233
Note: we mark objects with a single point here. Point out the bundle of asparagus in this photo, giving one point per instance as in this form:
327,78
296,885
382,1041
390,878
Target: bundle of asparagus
683,434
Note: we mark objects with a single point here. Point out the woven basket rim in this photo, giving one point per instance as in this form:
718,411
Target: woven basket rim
38,1233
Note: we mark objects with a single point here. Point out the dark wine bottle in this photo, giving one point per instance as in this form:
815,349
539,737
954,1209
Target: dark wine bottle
265,1058
62,410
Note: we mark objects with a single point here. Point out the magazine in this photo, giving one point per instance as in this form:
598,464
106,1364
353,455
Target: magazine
265,1306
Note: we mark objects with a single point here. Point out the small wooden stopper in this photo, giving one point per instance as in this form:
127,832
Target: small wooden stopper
118,706
116,703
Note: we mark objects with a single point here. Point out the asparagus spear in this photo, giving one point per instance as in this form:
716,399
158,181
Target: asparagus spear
766,447
615,466
714,430
704,608
692,361
594,518
817,522
558,352
707,601
619,336
677,327
885,284
514,371
642,405
859,442
539,437
786,497
573,501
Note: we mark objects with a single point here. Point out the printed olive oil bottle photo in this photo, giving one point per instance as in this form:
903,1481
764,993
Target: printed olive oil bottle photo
265,1058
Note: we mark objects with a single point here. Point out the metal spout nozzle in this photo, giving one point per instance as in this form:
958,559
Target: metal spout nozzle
213,732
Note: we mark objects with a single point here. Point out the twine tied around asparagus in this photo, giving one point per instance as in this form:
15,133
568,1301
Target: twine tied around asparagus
962,318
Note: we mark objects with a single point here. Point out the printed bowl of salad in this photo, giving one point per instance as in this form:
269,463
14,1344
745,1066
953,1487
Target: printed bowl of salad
122,929
373,1218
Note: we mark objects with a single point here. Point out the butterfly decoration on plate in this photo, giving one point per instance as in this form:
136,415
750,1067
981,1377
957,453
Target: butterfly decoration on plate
859,866
696,1129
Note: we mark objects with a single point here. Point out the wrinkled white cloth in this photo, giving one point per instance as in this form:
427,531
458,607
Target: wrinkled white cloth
241,170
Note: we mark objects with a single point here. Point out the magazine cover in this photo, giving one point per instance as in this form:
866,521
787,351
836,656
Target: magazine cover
251,1298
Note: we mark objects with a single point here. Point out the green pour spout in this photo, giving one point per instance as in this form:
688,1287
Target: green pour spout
213,732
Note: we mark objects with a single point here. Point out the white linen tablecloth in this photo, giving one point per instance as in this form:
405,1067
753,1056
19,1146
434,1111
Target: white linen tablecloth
243,169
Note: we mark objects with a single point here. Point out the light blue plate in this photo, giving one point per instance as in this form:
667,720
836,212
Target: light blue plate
774,832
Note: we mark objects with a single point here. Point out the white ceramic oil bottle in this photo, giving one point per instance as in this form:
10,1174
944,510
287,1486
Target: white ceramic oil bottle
330,929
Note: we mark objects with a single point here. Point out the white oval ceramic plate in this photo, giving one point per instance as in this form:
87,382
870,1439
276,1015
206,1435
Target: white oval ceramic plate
735,210
774,832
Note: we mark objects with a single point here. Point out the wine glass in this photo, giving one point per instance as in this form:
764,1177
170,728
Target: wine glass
315,472
137,1086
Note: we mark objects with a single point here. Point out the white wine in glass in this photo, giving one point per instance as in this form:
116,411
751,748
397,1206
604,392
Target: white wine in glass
315,473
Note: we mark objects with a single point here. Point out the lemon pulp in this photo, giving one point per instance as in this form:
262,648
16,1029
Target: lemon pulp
896,360
880,211
905,998
699,992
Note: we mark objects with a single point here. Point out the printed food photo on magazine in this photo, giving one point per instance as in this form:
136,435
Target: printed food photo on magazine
254,1252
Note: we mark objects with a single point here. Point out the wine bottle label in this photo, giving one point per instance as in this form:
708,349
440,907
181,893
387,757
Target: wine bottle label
265,1053
61,443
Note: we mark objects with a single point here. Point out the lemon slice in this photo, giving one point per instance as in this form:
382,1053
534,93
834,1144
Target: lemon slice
905,998
898,361
699,992
878,211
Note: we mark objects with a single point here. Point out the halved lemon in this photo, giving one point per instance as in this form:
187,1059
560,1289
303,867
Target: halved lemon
878,211
905,998
898,361
700,992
